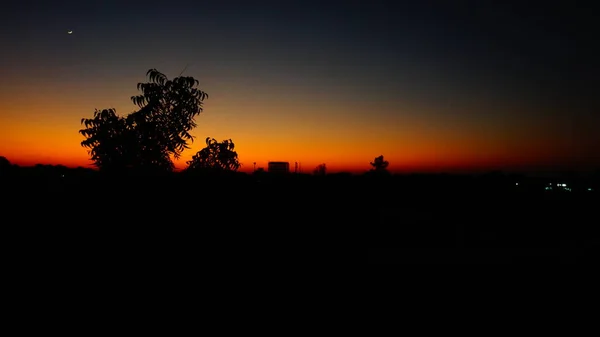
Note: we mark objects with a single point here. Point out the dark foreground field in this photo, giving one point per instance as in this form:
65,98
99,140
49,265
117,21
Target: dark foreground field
180,220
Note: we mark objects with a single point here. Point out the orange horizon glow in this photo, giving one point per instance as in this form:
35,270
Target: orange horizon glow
342,147
268,126
351,155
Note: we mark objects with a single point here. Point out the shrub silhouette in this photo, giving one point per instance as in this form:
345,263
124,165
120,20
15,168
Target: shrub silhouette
379,164
215,157
147,138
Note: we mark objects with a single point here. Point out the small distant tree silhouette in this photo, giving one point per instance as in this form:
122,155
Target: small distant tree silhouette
379,164
216,156
147,138
320,170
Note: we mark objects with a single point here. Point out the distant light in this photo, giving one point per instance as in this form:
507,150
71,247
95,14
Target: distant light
517,184
557,184
62,175
589,188
564,185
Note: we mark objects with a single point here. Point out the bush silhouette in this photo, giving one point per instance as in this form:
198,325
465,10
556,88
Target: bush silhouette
147,138
379,164
216,156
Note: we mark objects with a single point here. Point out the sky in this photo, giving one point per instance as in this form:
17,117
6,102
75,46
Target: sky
431,85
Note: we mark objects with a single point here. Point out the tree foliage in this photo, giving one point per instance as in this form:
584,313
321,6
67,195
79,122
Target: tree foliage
216,156
379,164
146,138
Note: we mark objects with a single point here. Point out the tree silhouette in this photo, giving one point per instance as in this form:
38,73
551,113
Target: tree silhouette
320,170
147,138
215,157
379,164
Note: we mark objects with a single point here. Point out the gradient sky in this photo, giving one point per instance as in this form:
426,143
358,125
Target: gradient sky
430,85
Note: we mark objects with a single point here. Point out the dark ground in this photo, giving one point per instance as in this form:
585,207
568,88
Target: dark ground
85,220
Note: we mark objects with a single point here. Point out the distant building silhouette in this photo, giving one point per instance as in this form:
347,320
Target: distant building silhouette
320,170
278,167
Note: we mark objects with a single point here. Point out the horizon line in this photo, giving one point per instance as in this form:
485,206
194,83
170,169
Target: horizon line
464,170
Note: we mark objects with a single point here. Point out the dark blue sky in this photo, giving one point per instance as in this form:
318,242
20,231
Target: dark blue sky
535,48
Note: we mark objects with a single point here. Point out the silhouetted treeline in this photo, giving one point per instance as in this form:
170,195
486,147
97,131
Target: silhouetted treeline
399,183
232,216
